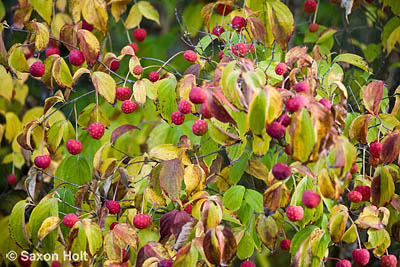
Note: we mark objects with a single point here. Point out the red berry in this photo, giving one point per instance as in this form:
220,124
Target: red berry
184,106
302,87
87,26
238,23
281,171
139,34
123,93
218,30
55,264
37,69
284,119
247,264
142,221
361,256
200,127
295,213
311,199
166,263
197,95
281,68
52,51
153,76
287,150
335,1
70,219
114,65
113,225
296,103
177,118
188,208
125,255
42,161
128,106
74,147
313,27
190,55
354,168
239,49
251,47
76,57
205,111
135,47
310,6
137,70
388,261
24,261
96,130
276,130
343,263
365,191
326,103
221,54
113,206
11,179
223,10
354,196
285,244
375,149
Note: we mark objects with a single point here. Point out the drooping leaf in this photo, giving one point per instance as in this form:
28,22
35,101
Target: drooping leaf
93,235
281,22
372,96
44,8
257,113
302,136
166,96
61,73
382,187
148,11
90,46
269,228
99,18
120,131
17,227
105,86
354,60
134,17
48,225
171,178
359,128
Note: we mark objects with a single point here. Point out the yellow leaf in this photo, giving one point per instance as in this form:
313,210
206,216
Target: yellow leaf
134,17
41,36
61,73
394,38
57,24
118,7
257,169
44,8
168,152
194,178
90,46
105,85
154,198
75,7
13,126
17,60
148,11
79,73
139,92
95,13
281,22
48,225
6,88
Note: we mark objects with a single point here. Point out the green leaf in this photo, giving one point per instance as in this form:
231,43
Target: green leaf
281,22
77,241
74,169
257,114
94,235
17,59
17,226
350,235
44,8
233,197
61,73
382,187
134,17
221,136
167,97
54,136
305,184
254,199
269,228
302,135
204,42
337,222
148,11
105,85
245,246
238,168
354,60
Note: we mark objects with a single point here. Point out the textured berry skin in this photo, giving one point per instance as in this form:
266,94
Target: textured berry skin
70,219
200,127
166,263
142,221
153,76
302,87
42,161
238,23
239,49
361,256
11,179
354,168
281,171
188,208
284,119
296,103
276,130
177,117
388,261
114,65
123,93
87,26
24,262
55,264
184,106
354,196
113,206
221,54
128,106
76,57
113,225
281,68
313,27
365,191
96,130
295,213
343,263
285,244
326,103
247,264
375,149
310,6
190,55
126,256
223,10
37,69
135,47
197,95
74,147
138,70
251,47
218,30
205,111
139,35
52,51
287,150
311,199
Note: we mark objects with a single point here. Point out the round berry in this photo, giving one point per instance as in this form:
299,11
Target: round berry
296,103
184,106
218,30
142,221
354,168
343,263
76,57
302,87
24,261
52,51
223,10
251,48
190,55
197,95
74,147
177,117
238,23
285,244
205,111
166,263
276,130
96,130
125,255
200,127
128,106
239,49
138,70
375,149
42,161
114,65
295,213
55,264
113,206
388,261
135,47
188,208
313,27
281,68
247,264
287,150
153,76
354,196
11,179
284,119
221,54
310,199
123,93
310,6
365,191
281,171
70,219
361,256
139,35
37,69
113,225
87,26
326,103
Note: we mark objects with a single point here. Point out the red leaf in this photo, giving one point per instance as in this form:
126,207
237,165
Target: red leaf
390,147
120,131
373,96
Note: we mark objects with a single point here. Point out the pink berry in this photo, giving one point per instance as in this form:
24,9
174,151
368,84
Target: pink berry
205,111
200,127
281,68
221,54
388,261
11,179
239,49
238,23
125,255
326,103
343,263
365,191
113,225
188,208
114,65
354,196
197,95
375,149
354,168
135,47
96,130
295,213
42,161
311,199
113,206
70,219
123,93
285,244
55,264
296,103
37,69
184,106
313,27
302,87
142,221
310,6
177,117
52,51
361,256
74,147
218,30
153,76
76,57
223,10
24,261
251,48
139,35
281,171
128,106
247,264
276,130
138,70
284,119
190,55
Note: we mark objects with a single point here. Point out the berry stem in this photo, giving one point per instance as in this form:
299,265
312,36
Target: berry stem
358,236
169,60
97,106
44,127
363,163
144,194
126,78
76,122
316,12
